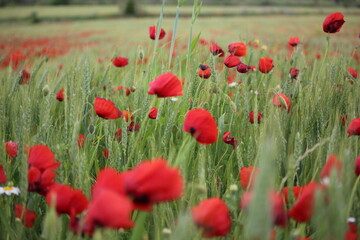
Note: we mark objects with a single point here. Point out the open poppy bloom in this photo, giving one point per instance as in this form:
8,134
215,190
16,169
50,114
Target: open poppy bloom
153,182
27,216
11,149
332,163
248,176
108,179
25,77
153,113
252,115
265,65
294,41
216,50
357,166
281,100
231,61
120,61
60,95
354,127
229,140
106,109
166,85
293,73
333,22
237,49
2,175
212,216
204,71
152,33
353,72
202,126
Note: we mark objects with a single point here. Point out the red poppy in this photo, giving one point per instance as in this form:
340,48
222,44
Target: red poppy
152,33
106,109
60,95
25,77
133,127
237,49
248,176
251,117
354,127
229,140
243,68
204,71
153,182
27,216
106,153
201,124
216,50
166,85
40,182
123,90
265,65
42,158
332,163
296,190
212,216
333,22
353,72
281,100
109,209
302,210
2,175
66,200
153,113
343,119
110,180
294,72
126,115
357,166
351,233
11,149
294,41
81,140
120,61
231,61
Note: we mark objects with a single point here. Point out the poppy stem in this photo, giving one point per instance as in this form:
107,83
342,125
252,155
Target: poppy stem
138,231
174,34
352,196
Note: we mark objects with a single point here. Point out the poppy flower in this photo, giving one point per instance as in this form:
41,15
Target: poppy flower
294,41
152,33
333,22
231,61
357,166
281,100
265,65
40,182
27,216
332,163
106,153
66,200
133,127
296,190
216,50
353,72
42,158
166,85
153,182
351,233
106,109
204,71
201,124
81,140
25,77
212,216
303,208
293,73
123,90
60,95
343,119
237,49
248,176
11,149
243,68
354,127
120,61
110,210
108,179
153,113
229,140
126,115
251,117
2,175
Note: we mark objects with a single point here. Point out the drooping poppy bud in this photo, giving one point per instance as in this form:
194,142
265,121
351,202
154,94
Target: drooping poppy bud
333,22
11,149
60,95
248,176
2,175
166,85
152,33
251,117
332,163
237,49
243,68
25,77
281,100
353,72
216,50
229,140
212,216
202,126
294,72
357,166
354,127
120,61
27,216
294,41
204,71
153,113
265,65
231,61
106,109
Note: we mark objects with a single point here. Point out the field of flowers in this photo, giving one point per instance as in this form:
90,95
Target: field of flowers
185,128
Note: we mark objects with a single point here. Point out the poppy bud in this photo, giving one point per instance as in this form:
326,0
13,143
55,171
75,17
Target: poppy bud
60,95
204,71
294,72
333,22
353,72
153,113
231,61
11,149
46,90
243,68
152,33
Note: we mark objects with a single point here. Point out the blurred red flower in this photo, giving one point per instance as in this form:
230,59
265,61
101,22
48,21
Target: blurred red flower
106,109
27,216
353,72
120,61
265,65
25,77
81,140
229,140
11,149
153,113
60,95
2,175
216,50
251,117
237,49
281,100
110,180
296,191
231,61
294,41
333,22
332,163
243,68
166,85
123,90
152,33
357,166
294,72
248,176
204,71
354,127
